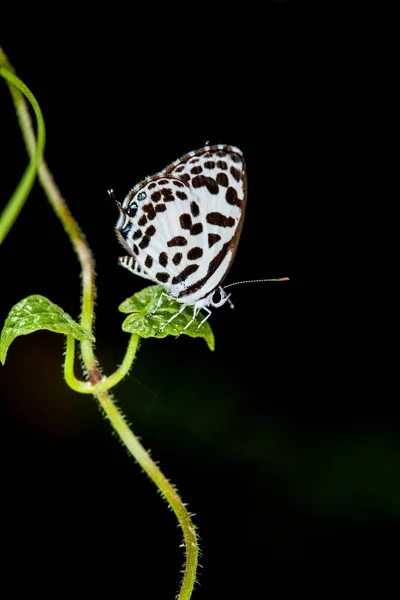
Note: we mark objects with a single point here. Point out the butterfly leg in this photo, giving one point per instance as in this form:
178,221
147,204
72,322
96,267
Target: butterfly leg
173,317
192,319
195,313
158,303
205,318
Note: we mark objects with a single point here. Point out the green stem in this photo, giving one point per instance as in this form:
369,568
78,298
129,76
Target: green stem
124,368
17,200
86,387
96,382
70,225
166,488
139,453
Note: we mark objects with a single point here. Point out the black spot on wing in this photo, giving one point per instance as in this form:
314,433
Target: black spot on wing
209,164
149,210
216,218
132,210
183,275
195,253
196,229
144,242
235,173
194,209
178,240
210,183
150,231
185,221
213,238
163,259
217,260
177,258
168,195
222,179
232,197
163,277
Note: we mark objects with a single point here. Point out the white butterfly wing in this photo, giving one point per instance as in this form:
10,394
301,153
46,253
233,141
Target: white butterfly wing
182,226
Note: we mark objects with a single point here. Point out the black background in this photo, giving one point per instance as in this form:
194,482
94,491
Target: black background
271,439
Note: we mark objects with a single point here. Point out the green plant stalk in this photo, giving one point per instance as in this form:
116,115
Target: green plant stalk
94,375
166,488
85,387
70,225
17,200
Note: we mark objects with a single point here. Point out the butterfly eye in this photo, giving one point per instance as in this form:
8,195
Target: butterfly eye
142,196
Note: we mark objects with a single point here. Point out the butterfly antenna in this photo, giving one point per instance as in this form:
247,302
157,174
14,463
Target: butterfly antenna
255,281
231,303
112,196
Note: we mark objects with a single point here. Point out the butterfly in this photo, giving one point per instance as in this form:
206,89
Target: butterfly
181,226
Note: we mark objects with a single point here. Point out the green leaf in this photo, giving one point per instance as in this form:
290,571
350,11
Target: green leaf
34,313
142,322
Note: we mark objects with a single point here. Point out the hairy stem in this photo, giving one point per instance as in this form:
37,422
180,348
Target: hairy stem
168,491
69,223
96,383
86,387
